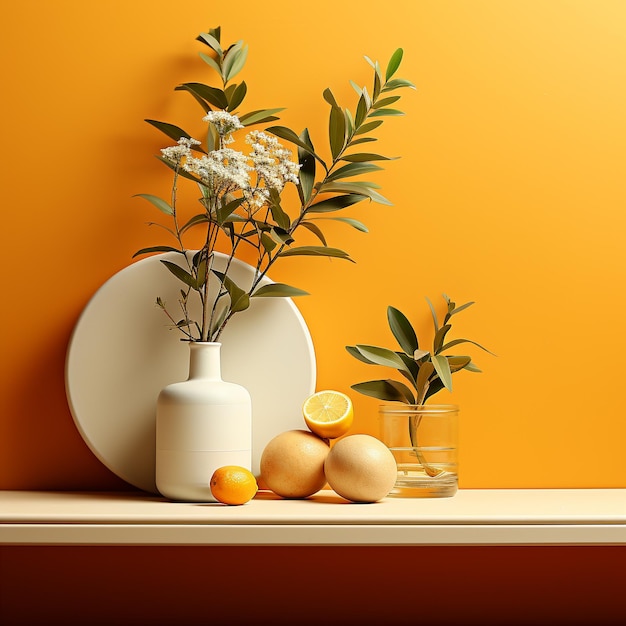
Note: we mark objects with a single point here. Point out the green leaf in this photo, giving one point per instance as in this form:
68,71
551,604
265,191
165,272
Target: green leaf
280,217
357,187
218,320
239,299
307,169
349,123
212,138
409,362
442,367
434,314
365,157
255,117
200,218
206,107
354,142
458,309
267,242
239,302
435,386
456,342
353,169
286,133
169,230
330,98
173,132
386,113
424,373
238,94
229,90
279,290
280,236
160,204
372,63
397,83
458,362
405,393
201,269
346,220
260,225
394,64
357,355
337,203
179,171
195,259
385,102
356,88
440,336
315,229
385,390
366,128
210,61
234,60
213,95
402,330
156,249
216,33
211,41
316,251
181,274
362,109
451,306
383,356
227,209
411,375
336,131
377,81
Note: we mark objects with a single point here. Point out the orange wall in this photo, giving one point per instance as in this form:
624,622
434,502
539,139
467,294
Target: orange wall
510,192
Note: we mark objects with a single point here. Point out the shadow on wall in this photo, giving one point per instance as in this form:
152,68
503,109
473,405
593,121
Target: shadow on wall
42,446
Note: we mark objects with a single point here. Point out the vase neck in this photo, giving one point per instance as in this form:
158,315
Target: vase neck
204,360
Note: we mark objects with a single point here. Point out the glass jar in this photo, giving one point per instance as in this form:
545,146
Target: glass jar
424,442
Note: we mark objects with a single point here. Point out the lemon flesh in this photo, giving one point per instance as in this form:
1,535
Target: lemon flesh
328,414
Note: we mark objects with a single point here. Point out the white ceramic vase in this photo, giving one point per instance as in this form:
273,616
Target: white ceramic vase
202,424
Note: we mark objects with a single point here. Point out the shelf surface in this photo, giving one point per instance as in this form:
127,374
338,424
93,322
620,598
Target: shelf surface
471,517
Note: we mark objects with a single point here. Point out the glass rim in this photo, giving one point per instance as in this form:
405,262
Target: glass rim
400,407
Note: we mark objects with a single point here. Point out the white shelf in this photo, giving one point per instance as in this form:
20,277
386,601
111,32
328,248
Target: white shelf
471,517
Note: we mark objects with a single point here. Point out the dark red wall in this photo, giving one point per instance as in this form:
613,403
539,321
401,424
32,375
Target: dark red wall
228,586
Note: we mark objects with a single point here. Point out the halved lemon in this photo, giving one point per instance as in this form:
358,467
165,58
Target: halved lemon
328,414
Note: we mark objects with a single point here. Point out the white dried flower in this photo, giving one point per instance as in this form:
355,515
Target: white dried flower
271,161
181,150
227,171
224,123
256,198
222,171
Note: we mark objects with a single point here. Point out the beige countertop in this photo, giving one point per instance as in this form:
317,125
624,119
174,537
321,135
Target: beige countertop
471,517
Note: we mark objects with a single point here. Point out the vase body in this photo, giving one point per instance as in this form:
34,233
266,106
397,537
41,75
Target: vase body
424,442
202,423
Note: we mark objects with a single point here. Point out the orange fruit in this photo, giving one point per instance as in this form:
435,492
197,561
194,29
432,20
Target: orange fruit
292,464
328,414
232,484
